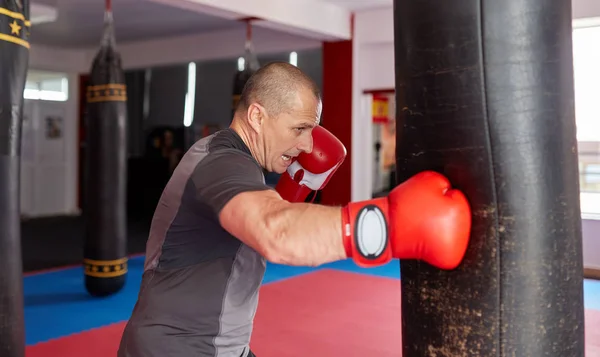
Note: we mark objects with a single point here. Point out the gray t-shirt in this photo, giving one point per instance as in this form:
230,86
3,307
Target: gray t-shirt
200,285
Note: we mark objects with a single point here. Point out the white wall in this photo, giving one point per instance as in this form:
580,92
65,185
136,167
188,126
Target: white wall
49,173
49,165
374,69
209,46
58,60
585,9
591,243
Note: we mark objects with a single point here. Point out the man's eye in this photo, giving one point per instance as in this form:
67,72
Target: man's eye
299,129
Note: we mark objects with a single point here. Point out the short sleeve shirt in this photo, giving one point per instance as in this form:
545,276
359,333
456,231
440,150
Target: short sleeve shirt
200,285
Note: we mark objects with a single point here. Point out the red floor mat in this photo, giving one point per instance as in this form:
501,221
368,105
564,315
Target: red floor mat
322,314
329,313
592,333
100,342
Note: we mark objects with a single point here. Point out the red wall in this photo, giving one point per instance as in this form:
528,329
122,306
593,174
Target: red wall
337,114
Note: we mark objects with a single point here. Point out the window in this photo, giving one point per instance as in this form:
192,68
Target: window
190,96
586,57
46,86
294,58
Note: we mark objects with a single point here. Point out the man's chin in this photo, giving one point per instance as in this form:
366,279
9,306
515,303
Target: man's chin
279,170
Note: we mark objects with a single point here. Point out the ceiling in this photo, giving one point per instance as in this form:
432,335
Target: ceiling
80,23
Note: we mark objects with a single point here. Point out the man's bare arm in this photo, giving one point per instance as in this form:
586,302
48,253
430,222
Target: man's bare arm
285,233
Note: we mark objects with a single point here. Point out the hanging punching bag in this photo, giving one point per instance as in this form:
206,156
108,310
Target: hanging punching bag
14,61
251,65
485,96
105,252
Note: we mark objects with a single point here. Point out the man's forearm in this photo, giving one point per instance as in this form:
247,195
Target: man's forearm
305,234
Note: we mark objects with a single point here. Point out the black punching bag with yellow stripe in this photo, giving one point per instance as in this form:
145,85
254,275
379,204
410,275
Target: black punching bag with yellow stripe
14,60
485,96
105,253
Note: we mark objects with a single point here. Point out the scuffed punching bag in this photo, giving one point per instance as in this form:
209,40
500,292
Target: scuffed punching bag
105,252
251,65
14,61
485,96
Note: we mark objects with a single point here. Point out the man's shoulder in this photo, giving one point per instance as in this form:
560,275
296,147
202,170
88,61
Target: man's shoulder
227,139
224,150
225,159
226,170
225,164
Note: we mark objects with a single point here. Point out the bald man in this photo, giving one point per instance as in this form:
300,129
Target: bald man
217,223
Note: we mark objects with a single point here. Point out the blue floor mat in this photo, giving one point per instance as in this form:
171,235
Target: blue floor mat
591,294
390,270
57,304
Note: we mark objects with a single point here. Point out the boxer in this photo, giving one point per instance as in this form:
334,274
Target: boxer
217,222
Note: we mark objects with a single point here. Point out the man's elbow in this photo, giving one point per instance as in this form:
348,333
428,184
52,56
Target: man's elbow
282,252
273,248
287,257
275,256
278,243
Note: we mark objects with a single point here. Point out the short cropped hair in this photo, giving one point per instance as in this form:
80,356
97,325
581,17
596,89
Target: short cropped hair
274,87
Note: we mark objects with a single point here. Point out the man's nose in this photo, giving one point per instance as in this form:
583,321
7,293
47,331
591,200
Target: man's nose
306,144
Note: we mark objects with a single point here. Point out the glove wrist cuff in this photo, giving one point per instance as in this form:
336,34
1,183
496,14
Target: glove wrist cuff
367,232
347,235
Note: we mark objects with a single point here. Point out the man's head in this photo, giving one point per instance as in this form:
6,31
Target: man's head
278,109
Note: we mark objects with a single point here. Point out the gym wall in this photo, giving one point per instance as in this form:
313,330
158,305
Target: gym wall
214,83
375,71
172,53
51,175
49,138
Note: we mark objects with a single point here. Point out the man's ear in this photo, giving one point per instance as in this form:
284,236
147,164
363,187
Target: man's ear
256,117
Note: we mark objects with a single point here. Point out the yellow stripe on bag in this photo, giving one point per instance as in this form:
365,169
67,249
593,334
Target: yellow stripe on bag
15,32
15,15
105,268
14,40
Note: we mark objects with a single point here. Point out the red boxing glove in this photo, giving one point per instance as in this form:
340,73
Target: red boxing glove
311,172
422,218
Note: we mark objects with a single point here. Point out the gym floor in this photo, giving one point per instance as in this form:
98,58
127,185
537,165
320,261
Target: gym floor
334,310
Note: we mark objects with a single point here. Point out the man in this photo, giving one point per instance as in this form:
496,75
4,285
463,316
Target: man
217,223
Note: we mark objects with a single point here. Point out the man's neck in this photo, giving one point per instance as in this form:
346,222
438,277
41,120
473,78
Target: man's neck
243,132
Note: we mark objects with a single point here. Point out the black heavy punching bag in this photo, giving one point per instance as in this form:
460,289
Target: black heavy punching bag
251,65
14,61
485,96
105,252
